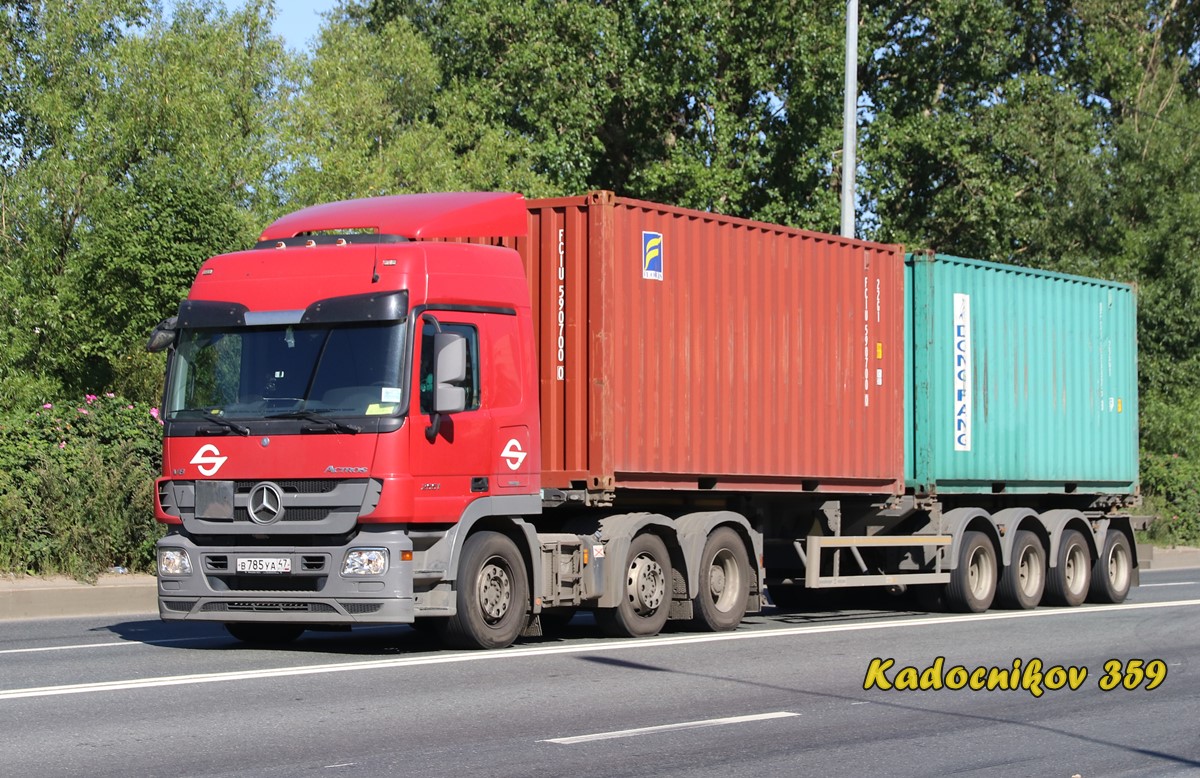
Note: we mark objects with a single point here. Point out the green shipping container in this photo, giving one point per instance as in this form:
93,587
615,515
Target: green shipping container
1018,381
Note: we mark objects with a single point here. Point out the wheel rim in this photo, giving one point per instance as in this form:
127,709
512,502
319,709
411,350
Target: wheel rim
1118,568
1030,572
724,580
1074,573
980,574
646,585
495,589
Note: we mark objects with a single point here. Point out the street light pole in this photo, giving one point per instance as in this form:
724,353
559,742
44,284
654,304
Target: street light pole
850,119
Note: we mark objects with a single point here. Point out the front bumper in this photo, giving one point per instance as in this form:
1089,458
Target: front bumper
315,592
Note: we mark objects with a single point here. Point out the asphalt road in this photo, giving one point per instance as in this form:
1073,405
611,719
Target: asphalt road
784,695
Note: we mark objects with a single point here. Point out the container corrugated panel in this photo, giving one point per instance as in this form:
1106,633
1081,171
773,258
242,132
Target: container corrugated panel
686,350
1022,381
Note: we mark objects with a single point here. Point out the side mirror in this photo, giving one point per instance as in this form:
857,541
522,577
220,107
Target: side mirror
449,370
163,335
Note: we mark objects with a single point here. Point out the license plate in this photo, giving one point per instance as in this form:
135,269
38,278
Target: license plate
264,564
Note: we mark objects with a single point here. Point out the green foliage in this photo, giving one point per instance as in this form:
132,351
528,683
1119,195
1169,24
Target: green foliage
364,118
76,487
1172,483
135,148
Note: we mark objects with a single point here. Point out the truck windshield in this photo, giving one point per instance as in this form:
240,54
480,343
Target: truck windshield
256,372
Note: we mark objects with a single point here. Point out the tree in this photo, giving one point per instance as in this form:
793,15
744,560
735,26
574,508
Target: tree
723,104
136,147
363,119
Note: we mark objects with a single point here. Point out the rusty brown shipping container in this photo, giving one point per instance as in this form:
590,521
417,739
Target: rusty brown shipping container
683,349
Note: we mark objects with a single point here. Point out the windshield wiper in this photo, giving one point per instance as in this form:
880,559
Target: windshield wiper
205,414
334,424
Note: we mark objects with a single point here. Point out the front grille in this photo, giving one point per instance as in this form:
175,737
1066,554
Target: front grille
267,583
181,606
290,514
361,608
267,607
295,485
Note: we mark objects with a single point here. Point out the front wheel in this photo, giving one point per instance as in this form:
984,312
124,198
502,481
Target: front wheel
1112,574
645,592
493,594
724,582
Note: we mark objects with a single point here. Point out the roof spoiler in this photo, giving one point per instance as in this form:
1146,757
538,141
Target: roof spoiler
414,216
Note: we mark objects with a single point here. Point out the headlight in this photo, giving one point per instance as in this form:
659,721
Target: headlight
174,561
365,561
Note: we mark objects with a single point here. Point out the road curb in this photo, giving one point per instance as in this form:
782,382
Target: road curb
60,597
1160,558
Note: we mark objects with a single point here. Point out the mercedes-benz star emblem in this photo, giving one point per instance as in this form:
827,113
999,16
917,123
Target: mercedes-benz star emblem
266,503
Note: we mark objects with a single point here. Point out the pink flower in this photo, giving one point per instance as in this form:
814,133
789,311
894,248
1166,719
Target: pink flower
109,395
129,407
47,406
84,411
62,444
154,412
89,398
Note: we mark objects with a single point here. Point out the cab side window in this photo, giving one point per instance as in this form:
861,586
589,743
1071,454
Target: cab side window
472,383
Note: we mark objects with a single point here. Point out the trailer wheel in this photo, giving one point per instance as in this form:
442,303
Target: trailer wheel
972,584
1023,582
264,634
492,596
646,593
1112,574
724,582
1068,582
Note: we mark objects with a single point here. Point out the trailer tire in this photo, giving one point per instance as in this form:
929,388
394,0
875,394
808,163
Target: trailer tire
973,581
724,592
1023,582
1112,573
492,597
1068,583
645,591
264,634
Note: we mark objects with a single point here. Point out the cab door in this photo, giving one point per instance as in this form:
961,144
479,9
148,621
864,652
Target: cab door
450,466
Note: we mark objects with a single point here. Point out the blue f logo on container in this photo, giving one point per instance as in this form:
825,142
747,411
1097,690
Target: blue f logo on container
652,255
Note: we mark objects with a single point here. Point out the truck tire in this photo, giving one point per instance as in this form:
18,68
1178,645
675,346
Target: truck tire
972,584
264,634
645,591
1112,574
1023,582
1068,583
724,582
492,597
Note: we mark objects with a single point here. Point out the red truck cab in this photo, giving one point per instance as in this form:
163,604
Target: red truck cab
352,384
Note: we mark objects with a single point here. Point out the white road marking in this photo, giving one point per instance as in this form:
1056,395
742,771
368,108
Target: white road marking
110,644
578,648
1171,583
569,741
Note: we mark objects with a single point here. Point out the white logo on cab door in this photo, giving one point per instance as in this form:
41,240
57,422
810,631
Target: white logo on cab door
208,459
513,455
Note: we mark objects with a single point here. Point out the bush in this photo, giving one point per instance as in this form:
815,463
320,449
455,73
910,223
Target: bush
1171,485
77,487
